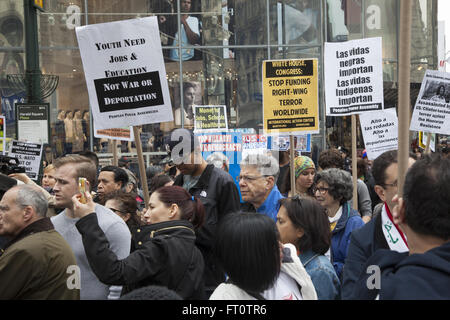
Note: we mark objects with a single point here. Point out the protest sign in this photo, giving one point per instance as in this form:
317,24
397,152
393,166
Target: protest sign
125,72
353,77
210,118
32,122
236,145
290,96
253,144
230,144
380,131
432,110
423,141
29,155
302,143
123,134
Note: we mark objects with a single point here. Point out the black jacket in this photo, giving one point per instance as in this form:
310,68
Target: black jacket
363,243
409,277
167,258
220,196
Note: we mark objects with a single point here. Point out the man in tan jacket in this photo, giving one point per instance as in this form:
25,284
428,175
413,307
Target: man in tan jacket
37,263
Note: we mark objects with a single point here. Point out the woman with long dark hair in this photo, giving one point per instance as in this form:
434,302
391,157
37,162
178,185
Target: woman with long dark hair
258,267
167,257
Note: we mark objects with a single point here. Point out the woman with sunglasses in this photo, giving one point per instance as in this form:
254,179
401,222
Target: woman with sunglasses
168,257
333,189
304,223
125,206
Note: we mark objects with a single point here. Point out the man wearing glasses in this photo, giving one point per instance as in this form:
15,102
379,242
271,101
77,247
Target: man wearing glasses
381,232
257,182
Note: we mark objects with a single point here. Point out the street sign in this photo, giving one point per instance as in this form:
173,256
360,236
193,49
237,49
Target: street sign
33,122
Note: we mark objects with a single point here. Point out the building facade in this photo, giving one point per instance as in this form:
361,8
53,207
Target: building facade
221,64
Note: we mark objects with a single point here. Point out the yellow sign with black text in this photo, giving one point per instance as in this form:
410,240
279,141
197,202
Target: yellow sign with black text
39,4
291,96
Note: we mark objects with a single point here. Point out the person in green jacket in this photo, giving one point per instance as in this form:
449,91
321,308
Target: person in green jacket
36,263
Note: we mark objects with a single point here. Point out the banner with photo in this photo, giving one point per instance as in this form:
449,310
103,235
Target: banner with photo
302,143
432,110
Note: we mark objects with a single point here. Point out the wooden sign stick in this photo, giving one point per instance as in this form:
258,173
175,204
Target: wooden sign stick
140,156
354,164
291,163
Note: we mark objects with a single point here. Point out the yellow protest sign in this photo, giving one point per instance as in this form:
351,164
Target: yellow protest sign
291,96
39,4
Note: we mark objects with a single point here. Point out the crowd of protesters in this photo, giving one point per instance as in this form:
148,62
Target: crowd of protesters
207,235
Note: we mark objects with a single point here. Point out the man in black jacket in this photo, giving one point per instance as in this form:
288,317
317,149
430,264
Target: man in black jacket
213,186
374,235
423,214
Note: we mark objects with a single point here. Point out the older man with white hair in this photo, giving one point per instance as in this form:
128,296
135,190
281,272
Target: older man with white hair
257,183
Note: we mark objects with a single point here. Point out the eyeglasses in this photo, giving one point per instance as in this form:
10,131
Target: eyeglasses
249,178
321,190
116,210
395,184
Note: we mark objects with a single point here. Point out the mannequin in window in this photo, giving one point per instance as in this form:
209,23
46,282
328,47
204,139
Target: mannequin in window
78,135
59,138
86,128
68,126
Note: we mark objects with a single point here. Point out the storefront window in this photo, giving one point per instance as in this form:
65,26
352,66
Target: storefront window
12,42
213,52
296,22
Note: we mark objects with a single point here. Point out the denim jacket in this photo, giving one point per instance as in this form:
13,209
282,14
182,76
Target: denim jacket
322,274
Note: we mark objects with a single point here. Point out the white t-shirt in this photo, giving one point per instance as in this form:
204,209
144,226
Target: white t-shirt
119,238
285,288
186,54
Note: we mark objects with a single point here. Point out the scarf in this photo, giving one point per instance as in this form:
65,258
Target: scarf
394,236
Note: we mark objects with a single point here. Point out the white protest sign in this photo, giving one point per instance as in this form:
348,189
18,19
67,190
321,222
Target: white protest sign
125,73
353,77
380,131
432,110
29,155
